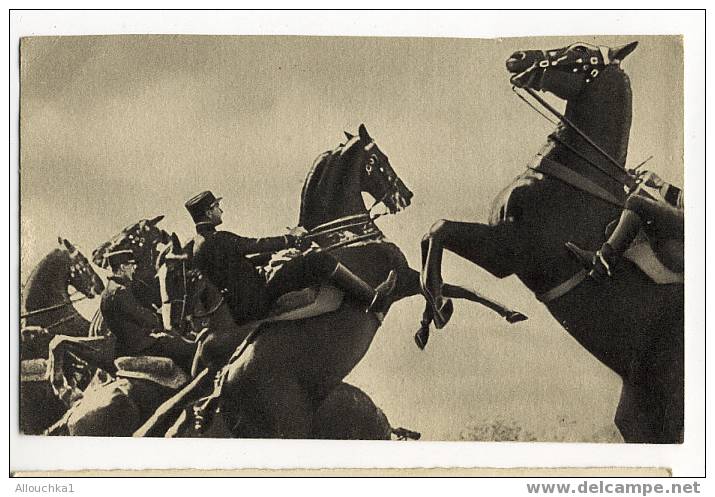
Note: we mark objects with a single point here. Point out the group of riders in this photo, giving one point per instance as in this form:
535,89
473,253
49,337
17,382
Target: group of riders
222,257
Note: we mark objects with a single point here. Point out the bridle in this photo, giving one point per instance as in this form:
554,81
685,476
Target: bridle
365,221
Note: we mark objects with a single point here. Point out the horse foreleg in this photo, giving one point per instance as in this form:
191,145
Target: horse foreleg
490,247
458,292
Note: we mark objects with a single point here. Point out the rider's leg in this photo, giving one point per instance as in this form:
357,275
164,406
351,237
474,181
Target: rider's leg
317,267
604,259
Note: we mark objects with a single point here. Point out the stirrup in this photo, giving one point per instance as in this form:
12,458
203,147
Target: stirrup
584,257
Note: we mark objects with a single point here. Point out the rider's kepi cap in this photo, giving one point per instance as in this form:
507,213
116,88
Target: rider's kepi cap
119,257
199,204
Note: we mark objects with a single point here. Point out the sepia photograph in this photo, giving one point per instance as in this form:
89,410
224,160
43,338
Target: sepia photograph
410,239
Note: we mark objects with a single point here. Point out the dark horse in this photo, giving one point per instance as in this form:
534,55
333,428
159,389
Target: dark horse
143,238
47,311
46,302
571,192
277,379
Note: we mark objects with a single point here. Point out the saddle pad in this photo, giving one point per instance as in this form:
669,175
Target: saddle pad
33,370
642,255
306,303
327,299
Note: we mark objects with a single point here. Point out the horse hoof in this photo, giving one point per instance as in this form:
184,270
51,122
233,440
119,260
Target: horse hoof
421,338
515,317
443,313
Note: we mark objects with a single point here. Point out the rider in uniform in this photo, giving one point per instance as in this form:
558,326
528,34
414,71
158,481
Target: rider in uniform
663,215
138,330
221,255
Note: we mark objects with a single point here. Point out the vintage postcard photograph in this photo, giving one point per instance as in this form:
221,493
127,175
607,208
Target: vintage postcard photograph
352,238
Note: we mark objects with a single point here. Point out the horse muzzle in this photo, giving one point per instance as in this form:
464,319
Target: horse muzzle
526,67
400,199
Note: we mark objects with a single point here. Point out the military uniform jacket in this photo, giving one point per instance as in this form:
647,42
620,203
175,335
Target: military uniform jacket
131,323
221,256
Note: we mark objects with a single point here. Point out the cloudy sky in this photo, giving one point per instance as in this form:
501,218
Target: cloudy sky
117,128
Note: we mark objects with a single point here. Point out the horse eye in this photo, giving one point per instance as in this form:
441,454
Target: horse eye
371,160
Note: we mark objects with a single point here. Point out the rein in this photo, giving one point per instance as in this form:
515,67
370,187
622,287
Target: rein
53,307
622,179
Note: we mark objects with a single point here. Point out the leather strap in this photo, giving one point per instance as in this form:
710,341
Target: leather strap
563,288
576,180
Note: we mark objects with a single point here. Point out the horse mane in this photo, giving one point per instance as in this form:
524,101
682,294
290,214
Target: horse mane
321,178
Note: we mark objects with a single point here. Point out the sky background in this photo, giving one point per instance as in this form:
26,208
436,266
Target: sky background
114,129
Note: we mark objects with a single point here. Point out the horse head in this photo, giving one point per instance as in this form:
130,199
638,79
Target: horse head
81,275
596,124
142,238
337,178
187,296
566,71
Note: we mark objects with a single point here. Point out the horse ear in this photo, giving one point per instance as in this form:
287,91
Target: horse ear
348,135
189,249
67,244
620,53
175,244
155,220
364,136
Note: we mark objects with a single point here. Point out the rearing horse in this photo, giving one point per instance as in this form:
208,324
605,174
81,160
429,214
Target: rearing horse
571,192
272,387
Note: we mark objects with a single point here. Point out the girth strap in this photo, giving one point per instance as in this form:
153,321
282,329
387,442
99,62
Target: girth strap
563,288
578,181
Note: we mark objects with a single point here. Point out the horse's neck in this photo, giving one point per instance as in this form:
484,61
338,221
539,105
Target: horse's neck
603,113
47,284
331,190
221,318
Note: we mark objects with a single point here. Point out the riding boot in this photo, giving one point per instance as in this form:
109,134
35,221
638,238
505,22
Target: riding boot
627,229
601,262
376,299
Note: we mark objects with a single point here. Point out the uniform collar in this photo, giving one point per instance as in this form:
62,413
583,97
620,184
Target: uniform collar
205,227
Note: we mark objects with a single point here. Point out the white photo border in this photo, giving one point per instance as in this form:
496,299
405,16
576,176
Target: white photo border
688,459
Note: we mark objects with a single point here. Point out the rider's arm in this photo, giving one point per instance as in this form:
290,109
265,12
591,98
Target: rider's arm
259,245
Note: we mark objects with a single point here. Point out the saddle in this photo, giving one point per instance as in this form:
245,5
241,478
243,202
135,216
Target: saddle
300,304
306,303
